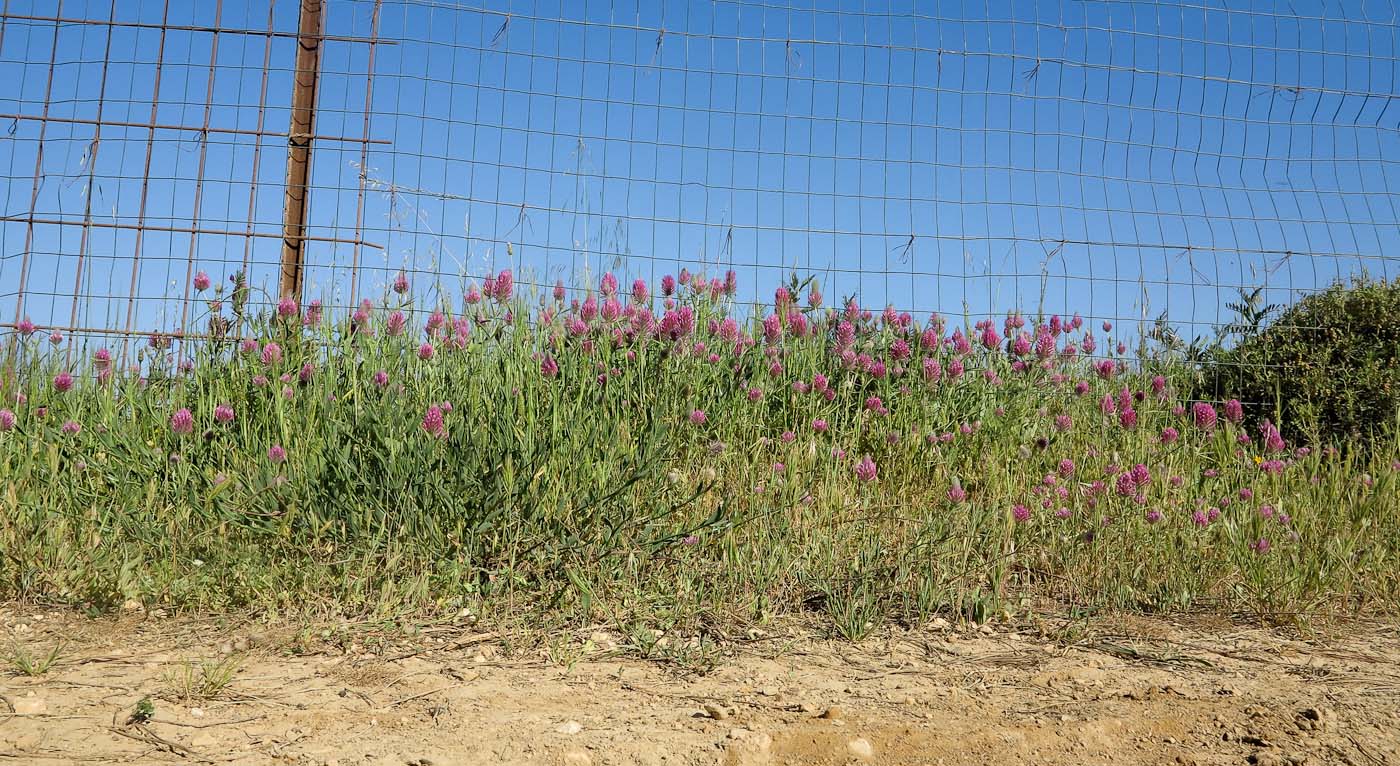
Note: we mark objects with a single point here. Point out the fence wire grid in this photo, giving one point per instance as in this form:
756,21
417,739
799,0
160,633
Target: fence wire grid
1121,160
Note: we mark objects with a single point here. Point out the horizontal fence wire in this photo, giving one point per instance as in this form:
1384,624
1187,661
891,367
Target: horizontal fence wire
1132,162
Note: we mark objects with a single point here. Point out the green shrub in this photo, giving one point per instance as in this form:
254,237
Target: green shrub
1329,363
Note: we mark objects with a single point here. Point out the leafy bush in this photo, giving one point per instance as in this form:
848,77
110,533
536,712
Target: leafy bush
1329,363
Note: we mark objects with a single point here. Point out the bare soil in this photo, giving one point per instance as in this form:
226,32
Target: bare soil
1134,692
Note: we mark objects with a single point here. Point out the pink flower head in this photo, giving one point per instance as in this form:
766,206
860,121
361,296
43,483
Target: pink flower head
865,469
559,290
731,282
25,327
960,344
1066,468
1260,546
182,422
814,297
473,295
755,393
271,354
1020,513
433,422
548,367
7,420
396,323
56,337
426,351
819,425
932,369
955,369
956,493
62,382
1169,435
668,285
401,283
772,328
72,428
223,413
1234,411
1063,423
1154,516
381,378
1128,418
1273,440
990,339
1022,345
277,454
1108,405
1105,368
1159,384
505,284
697,417
287,307
201,282
1125,485
1204,415
639,291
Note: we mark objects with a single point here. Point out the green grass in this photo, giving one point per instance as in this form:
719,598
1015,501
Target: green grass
591,495
26,662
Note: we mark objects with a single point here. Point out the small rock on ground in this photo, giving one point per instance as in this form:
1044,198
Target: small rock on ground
861,748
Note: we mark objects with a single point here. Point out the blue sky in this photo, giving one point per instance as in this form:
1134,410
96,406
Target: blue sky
1117,159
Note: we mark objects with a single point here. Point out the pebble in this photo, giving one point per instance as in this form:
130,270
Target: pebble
30,705
832,713
716,712
569,727
749,748
577,758
861,748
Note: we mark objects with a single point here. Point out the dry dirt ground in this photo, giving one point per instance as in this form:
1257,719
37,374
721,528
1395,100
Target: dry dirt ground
1132,692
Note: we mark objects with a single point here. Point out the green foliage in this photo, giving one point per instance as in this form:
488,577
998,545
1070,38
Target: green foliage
568,482
1328,363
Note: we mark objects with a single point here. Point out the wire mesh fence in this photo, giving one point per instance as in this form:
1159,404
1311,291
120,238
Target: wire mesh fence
1121,160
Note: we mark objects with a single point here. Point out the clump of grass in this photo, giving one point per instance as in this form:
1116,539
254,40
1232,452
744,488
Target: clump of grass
34,664
672,460
202,680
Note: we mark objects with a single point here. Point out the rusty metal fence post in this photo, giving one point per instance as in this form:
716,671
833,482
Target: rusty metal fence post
308,66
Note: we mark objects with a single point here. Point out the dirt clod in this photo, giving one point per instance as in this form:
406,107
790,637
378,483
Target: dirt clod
717,712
